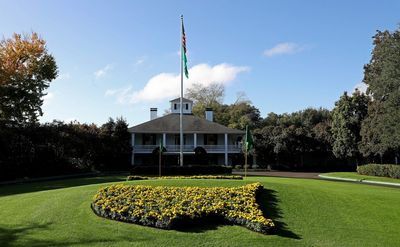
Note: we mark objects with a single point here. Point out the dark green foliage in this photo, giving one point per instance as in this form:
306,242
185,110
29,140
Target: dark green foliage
57,148
380,170
115,145
301,140
240,115
200,156
381,129
347,116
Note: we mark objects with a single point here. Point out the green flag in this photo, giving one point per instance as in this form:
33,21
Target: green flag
184,51
249,139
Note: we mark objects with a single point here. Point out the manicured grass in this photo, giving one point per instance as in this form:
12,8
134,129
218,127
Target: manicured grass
307,212
355,175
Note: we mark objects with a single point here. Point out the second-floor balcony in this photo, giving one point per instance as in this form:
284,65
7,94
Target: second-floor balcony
188,148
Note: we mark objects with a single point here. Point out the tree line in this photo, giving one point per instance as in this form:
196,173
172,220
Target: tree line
362,127
57,148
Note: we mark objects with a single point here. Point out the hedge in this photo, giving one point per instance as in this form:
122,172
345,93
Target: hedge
182,170
380,170
172,207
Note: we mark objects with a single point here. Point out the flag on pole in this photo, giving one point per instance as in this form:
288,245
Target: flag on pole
184,51
249,139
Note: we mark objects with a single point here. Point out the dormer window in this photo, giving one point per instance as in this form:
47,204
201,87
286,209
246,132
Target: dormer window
187,105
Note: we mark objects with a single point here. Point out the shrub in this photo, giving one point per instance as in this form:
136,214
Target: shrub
238,166
182,170
169,207
246,166
386,170
129,178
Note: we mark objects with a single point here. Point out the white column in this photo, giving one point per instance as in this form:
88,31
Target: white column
133,150
226,149
164,139
195,140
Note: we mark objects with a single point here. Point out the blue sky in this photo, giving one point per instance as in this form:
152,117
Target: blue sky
119,58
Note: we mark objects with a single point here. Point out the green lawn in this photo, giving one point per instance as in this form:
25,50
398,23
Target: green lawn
355,175
307,212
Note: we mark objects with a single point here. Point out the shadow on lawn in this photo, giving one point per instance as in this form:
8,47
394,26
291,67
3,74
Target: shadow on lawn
268,202
56,184
201,225
29,235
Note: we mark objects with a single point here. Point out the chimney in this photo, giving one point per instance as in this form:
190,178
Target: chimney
153,113
209,114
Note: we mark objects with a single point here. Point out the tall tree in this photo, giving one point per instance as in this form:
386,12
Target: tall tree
347,116
242,114
381,129
26,69
205,96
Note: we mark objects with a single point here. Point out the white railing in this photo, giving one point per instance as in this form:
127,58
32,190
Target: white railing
187,148
177,148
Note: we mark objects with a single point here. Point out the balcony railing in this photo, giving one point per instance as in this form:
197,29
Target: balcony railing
187,148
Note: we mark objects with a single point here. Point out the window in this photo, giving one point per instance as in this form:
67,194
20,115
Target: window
177,139
149,139
175,106
210,139
187,106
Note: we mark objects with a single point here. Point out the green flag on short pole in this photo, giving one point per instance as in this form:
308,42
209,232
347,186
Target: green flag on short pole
248,145
249,139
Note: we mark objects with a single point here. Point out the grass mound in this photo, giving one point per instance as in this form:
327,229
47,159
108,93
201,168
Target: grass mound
168,207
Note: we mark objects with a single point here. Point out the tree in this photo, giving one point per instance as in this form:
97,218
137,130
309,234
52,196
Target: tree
301,139
242,114
26,69
347,116
205,96
381,129
372,131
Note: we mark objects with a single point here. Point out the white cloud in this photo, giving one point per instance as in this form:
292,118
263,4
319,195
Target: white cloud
102,72
362,87
283,48
140,60
167,85
121,94
48,98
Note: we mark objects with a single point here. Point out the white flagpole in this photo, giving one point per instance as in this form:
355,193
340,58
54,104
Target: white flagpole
181,103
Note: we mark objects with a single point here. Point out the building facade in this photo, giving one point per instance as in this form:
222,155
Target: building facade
218,143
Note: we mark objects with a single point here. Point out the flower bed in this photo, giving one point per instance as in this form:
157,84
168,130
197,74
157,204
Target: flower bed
185,177
167,207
